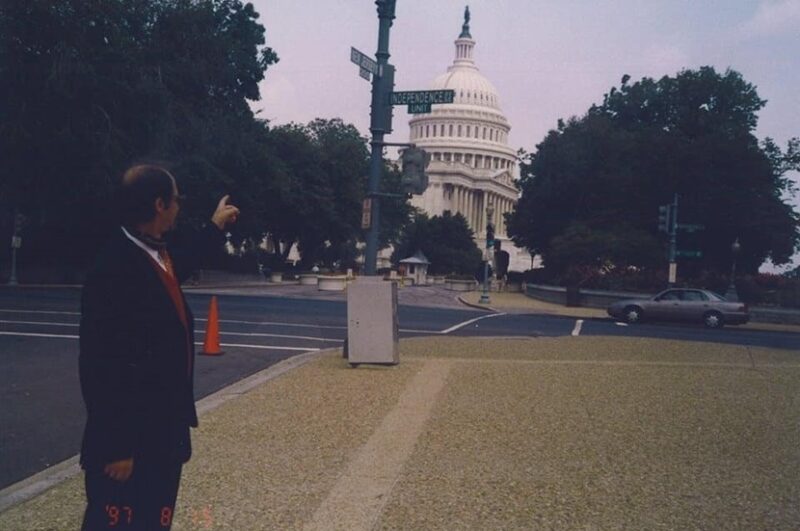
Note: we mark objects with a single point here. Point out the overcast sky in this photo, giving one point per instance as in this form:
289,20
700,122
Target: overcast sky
549,59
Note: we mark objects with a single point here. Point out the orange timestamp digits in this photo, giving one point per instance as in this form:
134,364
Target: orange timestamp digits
114,515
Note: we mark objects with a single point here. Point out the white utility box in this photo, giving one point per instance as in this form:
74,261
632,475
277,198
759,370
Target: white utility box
372,328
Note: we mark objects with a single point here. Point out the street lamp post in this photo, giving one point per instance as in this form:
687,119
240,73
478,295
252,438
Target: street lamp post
489,244
731,294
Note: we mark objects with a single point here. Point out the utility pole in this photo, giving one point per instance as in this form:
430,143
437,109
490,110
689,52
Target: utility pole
380,124
16,243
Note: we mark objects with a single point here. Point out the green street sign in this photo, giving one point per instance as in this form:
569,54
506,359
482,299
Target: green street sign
689,254
688,227
422,96
419,108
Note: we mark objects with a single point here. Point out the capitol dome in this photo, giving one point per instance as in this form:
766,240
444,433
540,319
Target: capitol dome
472,170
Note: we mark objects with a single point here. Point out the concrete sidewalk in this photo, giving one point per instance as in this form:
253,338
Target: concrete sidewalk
546,433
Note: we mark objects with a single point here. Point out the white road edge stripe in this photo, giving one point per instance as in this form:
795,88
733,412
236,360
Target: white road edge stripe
465,323
263,347
20,310
578,325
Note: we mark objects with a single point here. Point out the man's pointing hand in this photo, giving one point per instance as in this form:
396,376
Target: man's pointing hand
225,214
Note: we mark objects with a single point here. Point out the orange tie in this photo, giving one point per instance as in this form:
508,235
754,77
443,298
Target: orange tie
167,262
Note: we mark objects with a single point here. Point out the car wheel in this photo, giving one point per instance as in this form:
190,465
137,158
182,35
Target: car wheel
633,314
713,320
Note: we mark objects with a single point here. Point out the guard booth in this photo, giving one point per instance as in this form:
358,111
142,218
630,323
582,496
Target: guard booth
416,268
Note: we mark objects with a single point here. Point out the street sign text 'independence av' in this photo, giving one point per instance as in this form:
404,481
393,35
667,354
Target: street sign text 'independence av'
422,96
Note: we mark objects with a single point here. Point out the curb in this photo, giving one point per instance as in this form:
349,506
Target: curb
477,306
50,477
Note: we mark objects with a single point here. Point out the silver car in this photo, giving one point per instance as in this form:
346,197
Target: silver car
693,305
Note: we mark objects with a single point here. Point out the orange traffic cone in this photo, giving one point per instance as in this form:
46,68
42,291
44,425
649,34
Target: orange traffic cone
211,344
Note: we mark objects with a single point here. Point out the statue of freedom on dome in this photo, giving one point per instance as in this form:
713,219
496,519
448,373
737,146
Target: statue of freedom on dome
465,27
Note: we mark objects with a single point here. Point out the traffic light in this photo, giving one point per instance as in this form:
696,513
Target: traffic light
489,235
414,179
665,218
380,100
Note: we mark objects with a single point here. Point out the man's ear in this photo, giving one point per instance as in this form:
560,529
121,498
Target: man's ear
160,206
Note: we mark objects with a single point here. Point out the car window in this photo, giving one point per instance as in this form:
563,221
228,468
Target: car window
694,296
715,297
669,296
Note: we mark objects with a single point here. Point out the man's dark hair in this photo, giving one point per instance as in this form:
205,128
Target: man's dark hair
138,190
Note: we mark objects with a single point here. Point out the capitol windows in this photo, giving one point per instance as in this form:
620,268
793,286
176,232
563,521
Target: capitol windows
468,133
427,131
459,130
458,157
441,130
468,159
484,133
476,131
437,156
450,129
447,157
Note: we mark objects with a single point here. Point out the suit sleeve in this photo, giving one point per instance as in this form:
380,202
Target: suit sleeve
112,345
195,250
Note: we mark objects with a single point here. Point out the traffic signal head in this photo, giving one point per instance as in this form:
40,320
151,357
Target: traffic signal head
414,179
489,236
664,215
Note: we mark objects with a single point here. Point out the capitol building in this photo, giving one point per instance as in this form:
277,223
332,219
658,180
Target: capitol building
472,165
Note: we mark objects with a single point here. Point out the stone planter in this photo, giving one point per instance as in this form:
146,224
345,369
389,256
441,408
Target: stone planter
459,285
276,277
309,279
438,280
332,283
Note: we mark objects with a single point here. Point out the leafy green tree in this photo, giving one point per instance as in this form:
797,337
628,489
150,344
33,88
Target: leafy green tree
90,85
601,178
446,240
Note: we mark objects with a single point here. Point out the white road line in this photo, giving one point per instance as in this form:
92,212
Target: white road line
39,323
263,347
465,323
252,334
256,334
33,334
621,324
274,323
578,325
6,310
412,331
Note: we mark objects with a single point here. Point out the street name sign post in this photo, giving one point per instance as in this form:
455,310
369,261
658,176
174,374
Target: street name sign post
420,101
689,254
366,65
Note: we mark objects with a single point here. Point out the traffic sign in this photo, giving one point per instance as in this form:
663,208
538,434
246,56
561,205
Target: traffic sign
422,96
419,108
364,73
688,227
689,254
364,61
16,242
366,213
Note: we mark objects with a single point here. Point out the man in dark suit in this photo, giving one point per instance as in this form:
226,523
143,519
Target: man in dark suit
137,354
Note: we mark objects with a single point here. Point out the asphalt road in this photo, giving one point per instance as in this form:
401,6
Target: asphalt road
42,415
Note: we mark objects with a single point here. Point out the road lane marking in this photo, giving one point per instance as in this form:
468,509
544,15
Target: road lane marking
578,325
274,323
39,323
238,345
621,324
263,347
465,323
257,334
362,490
6,310
33,334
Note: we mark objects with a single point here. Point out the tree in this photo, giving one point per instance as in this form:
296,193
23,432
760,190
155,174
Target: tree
601,178
89,86
446,241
